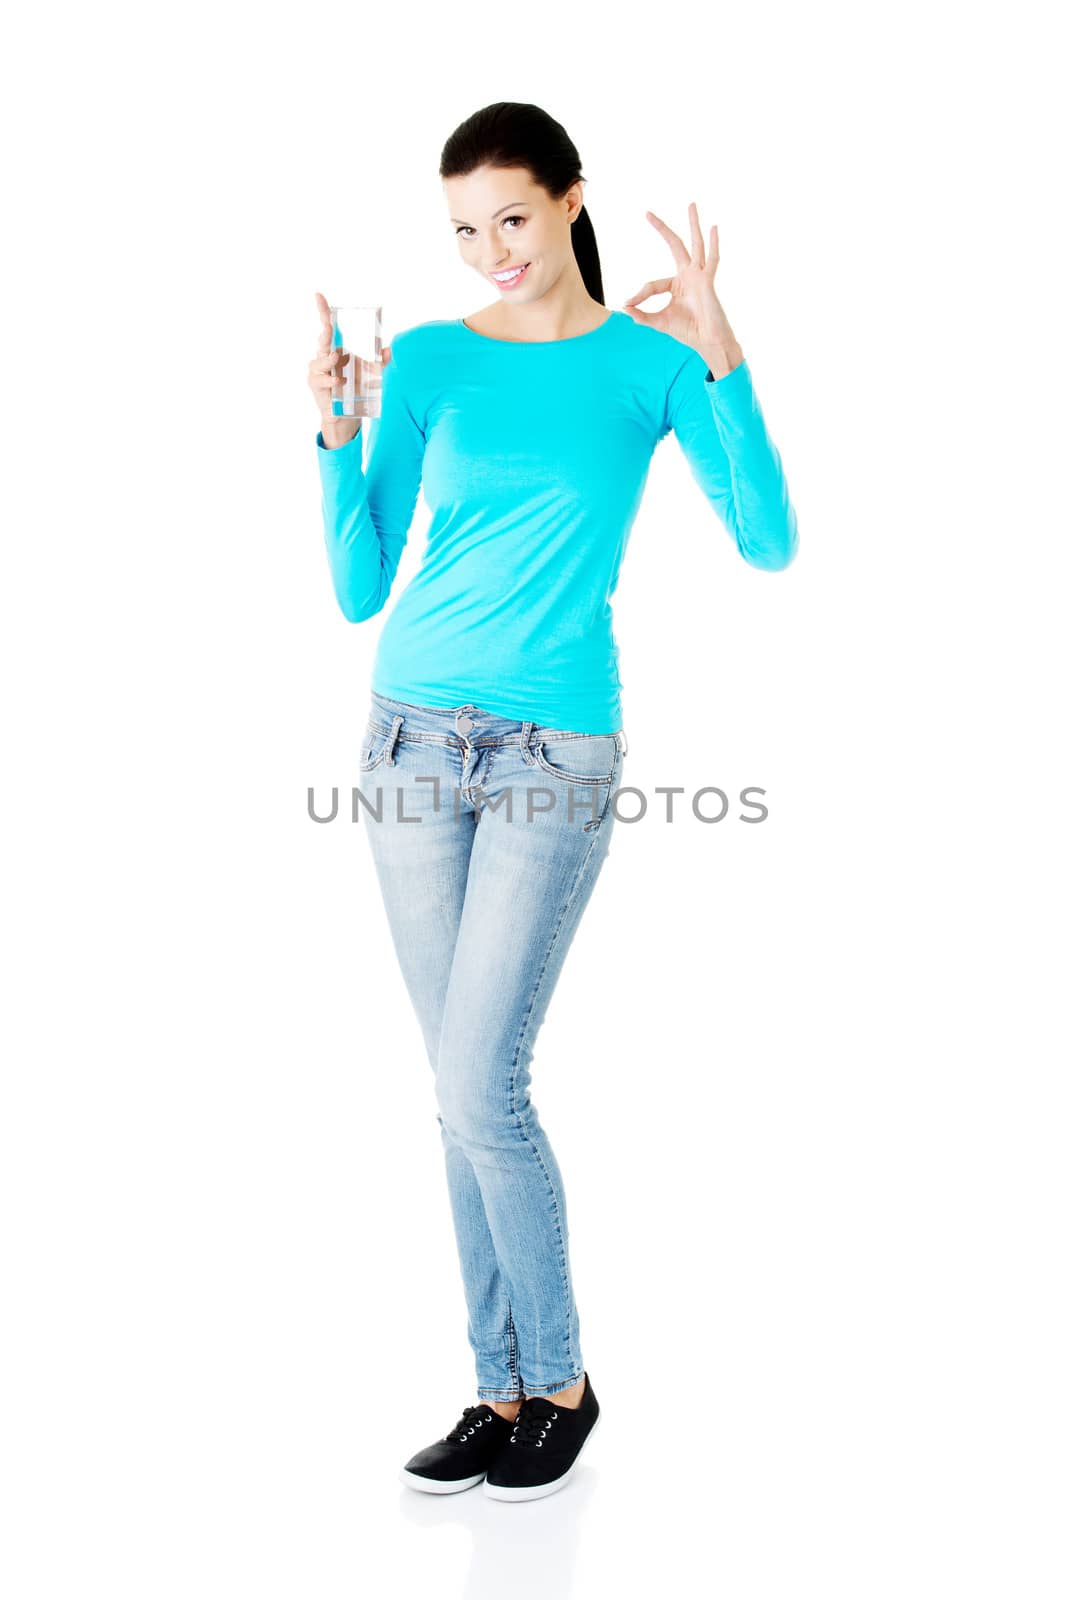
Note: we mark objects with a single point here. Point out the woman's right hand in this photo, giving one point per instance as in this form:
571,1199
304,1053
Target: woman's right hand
324,371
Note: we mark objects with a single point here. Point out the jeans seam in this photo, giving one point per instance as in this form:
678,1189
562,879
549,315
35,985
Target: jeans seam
513,1365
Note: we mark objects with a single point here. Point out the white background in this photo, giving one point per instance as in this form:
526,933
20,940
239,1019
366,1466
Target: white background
805,1080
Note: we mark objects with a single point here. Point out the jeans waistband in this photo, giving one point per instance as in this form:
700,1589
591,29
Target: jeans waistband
469,723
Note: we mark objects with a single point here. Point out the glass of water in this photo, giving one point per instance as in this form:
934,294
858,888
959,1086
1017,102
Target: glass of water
358,332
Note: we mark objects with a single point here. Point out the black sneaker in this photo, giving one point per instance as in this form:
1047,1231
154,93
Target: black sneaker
545,1443
460,1458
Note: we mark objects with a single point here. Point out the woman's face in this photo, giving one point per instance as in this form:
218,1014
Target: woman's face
503,220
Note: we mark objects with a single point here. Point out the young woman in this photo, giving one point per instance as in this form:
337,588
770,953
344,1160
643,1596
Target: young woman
494,745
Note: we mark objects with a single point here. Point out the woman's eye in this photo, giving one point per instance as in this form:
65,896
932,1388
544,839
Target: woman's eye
467,228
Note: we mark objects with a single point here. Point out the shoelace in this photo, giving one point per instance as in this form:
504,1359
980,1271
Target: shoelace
468,1423
533,1420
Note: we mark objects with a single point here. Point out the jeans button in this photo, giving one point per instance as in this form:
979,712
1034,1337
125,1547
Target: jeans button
464,724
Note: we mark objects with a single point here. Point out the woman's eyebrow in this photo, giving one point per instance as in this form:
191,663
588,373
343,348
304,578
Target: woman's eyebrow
495,215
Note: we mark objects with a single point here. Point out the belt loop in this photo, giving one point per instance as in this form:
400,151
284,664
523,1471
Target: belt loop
391,741
524,742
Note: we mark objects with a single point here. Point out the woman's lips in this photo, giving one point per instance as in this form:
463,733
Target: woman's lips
510,283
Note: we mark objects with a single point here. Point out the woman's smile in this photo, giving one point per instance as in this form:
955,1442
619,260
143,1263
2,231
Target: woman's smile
511,277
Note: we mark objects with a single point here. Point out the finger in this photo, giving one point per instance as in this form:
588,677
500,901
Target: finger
678,249
387,355
328,336
326,330
656,286
713,244
649,318
329,362
324,382
697,244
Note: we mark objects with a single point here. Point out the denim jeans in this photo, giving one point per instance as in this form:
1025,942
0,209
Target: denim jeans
488,836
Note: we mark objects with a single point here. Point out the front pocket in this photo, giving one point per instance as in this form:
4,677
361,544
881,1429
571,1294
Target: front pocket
372,747
582,758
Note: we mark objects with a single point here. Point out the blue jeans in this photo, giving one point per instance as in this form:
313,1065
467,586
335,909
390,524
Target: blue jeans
487,837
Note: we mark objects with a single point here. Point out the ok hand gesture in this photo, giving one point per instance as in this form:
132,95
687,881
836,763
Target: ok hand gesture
693,315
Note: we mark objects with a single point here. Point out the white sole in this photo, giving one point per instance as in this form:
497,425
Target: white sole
436,1485
497,1491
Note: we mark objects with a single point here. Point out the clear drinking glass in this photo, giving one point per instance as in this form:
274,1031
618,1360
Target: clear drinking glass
358,331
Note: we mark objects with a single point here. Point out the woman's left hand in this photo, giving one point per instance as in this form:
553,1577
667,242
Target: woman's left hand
693,315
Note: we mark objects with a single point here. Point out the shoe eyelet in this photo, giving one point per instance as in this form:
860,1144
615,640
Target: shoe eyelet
538,1443
554,1416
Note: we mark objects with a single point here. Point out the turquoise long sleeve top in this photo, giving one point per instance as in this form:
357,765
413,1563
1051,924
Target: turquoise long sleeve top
533,458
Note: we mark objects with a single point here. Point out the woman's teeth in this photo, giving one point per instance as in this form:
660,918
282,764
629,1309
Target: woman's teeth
506,280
